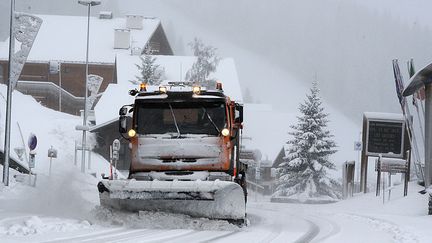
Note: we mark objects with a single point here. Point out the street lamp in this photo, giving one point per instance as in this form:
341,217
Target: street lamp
84,145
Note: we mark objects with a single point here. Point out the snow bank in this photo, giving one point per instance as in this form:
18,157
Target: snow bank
37,225
51,127
67,192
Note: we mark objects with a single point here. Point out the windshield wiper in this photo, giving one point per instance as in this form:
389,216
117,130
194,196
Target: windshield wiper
175,121
211,120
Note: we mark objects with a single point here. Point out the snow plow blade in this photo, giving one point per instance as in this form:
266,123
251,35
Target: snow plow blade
210,199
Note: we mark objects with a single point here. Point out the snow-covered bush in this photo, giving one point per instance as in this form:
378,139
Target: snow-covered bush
303,172
205,64
151,73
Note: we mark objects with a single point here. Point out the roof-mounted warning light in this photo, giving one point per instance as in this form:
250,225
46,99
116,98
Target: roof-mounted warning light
219,86
143,87
196,89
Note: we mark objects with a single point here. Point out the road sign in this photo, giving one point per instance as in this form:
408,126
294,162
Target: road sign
19,151
116,145
357,146
32,141
52,153
385,137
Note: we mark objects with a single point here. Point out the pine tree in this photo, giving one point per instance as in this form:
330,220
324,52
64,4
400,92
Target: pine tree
304,170
151,73
205,64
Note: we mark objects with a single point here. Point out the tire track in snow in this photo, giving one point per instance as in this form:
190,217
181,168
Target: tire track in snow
308,236
224,236
155,236
318,227
323,223
86,236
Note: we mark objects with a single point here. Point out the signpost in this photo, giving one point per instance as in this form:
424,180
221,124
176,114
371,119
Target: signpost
383,135
115,155
32,143
52,153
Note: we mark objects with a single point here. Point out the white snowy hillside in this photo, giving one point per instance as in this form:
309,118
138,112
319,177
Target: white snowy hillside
51,128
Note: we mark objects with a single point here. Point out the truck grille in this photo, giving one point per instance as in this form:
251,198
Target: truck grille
187,160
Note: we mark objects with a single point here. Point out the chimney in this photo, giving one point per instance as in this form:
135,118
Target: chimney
121,38
134,22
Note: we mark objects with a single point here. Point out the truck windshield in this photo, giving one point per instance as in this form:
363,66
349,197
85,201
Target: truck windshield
180,118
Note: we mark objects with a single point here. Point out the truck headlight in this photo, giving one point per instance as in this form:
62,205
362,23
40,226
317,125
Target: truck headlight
163,89
131,133
196,89
225,132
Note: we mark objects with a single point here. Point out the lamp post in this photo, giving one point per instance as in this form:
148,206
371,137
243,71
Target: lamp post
84,145
9,98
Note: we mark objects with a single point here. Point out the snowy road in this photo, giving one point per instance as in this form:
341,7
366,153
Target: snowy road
269,222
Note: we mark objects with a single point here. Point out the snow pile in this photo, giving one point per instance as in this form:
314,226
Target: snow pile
399,234
52,128
158,220
14,189
66,192
37,225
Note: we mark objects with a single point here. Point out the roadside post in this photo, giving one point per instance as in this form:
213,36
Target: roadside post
115,155
358,146
52,153
32,143
348,169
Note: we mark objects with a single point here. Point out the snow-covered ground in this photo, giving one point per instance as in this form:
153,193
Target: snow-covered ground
70,214
64,207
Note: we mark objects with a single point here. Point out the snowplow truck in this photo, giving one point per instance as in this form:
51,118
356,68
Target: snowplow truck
185,143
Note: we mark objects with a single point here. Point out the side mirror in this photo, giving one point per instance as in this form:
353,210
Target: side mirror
123,111
238,113
123,119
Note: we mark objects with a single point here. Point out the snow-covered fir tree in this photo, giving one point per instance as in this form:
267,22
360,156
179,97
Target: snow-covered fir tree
304,170
205,64
151,73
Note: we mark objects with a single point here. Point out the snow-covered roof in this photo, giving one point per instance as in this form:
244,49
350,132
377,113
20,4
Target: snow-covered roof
175,67
64,38
382,115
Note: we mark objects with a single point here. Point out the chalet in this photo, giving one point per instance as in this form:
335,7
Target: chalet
54,73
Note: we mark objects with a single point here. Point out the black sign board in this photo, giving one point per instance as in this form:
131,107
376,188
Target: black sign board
385,137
